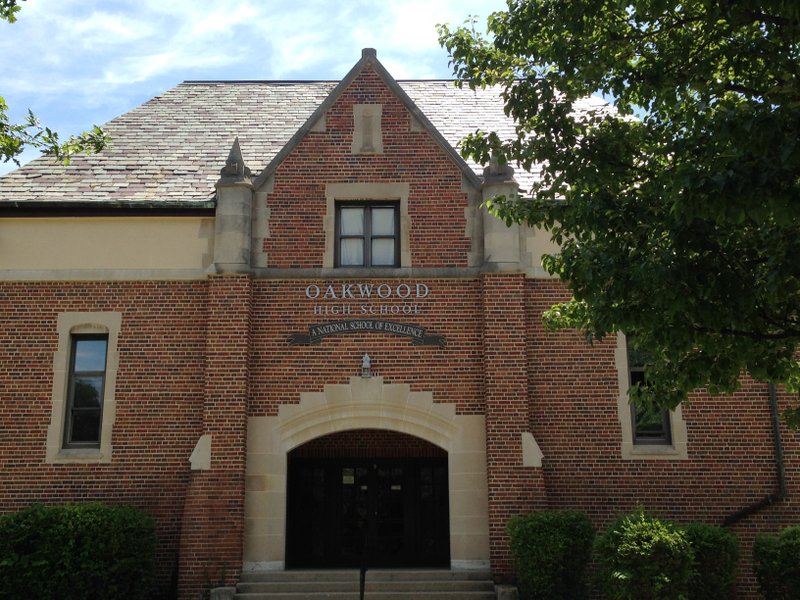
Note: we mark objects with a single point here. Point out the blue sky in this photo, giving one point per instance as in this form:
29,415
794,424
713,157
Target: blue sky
76,63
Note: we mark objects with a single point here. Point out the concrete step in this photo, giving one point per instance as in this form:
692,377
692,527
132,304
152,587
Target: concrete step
384,584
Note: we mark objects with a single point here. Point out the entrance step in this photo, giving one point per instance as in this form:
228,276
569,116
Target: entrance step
381,584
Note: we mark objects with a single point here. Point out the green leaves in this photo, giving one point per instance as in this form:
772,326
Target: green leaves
681,225
15,137
643,558
8,10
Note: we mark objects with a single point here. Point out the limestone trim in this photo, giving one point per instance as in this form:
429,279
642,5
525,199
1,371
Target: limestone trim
260,226
536,242
531,453
366,191
473,217
70,324
677,450
200,459
364,403
367,134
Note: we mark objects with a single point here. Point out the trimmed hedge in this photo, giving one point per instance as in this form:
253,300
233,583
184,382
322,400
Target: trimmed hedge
716,552
551,550
640,557
777,564
74,552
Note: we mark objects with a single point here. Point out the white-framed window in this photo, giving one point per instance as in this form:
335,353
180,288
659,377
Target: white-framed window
84,382
646,433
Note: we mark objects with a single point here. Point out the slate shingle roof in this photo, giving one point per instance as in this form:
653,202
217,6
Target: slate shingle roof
171,148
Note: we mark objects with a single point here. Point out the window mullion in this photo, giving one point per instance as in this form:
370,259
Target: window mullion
367,236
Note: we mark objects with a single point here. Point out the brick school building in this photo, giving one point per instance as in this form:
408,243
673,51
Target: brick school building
275,316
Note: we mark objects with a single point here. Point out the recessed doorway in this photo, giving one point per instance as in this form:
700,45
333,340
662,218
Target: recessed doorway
367,498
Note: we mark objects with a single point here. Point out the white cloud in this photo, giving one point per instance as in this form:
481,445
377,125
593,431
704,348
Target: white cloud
74,60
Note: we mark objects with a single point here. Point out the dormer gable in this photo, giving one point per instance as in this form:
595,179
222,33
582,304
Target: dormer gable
367,127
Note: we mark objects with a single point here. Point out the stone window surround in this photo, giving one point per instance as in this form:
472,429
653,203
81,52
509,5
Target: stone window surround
676,450
366,192
69,324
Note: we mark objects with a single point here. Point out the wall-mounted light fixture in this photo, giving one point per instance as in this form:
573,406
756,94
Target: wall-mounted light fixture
366,367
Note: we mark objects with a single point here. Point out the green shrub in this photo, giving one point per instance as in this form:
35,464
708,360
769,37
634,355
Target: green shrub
777,564
551,551
74,552
642,558
716,553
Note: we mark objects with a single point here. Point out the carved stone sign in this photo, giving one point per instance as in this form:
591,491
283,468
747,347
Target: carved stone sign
419,336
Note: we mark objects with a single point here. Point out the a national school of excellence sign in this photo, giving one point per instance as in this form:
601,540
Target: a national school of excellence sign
317,332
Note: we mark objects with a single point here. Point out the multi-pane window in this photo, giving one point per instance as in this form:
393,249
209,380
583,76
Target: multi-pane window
367,235
87,375
650,425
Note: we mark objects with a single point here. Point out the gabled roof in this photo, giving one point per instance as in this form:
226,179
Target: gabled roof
368,58
169,150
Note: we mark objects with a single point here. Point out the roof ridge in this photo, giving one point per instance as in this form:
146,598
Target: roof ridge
301,81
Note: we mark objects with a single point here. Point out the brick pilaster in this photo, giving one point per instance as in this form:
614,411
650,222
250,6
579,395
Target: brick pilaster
513,488
213,516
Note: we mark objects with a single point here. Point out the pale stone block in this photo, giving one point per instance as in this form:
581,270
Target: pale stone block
531,453
469,525
397,394
469,547
259,434
264,548
469,482
255,483
472,436
265,464
467,503
200,459
467,462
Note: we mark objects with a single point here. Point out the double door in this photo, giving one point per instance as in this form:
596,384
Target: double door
345,513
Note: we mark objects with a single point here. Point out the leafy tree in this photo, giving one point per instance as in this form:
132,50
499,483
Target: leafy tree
15,137
677,209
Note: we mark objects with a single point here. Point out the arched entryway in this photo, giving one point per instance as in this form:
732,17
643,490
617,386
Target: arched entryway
367,497
365,404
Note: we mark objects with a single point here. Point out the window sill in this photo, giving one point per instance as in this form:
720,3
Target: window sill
654,452
80,456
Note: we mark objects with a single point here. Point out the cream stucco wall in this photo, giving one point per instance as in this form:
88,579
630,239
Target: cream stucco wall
99,247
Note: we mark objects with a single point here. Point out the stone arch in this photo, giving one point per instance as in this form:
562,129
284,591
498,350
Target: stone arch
365,403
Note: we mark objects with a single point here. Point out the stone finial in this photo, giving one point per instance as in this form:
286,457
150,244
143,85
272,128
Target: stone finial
369,53
498,171
234,170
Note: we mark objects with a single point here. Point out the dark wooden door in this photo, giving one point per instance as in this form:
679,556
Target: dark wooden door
374,513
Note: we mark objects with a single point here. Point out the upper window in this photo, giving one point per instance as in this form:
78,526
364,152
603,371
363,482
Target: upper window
367,234
650,425
85,391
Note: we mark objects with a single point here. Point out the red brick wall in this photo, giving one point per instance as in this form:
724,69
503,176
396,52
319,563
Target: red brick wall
199,357
159,396
513,489
213,517
281,372
297,204
573,414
